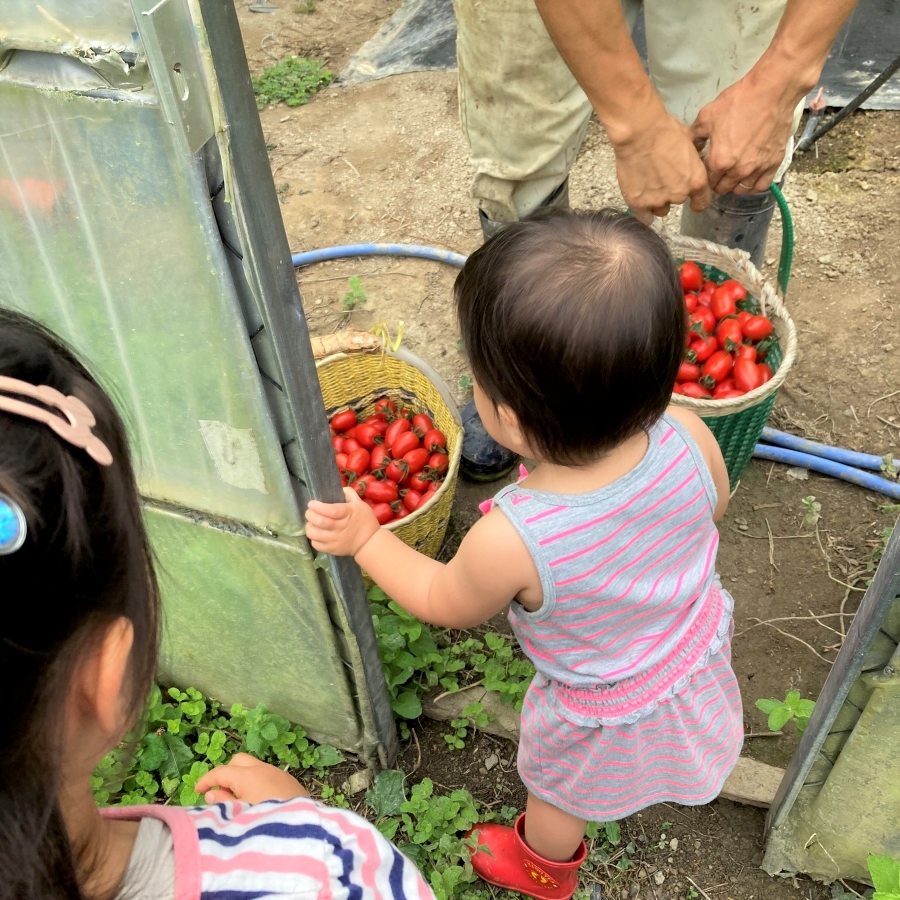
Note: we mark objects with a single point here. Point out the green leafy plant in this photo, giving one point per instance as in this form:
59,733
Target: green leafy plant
292,81
813,511
885,874
888,466
183,735
466,382
792,708
355,295
473,716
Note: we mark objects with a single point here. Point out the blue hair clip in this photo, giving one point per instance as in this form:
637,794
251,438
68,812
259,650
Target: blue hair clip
13,526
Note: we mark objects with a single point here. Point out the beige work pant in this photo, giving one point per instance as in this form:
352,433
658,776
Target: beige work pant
524,116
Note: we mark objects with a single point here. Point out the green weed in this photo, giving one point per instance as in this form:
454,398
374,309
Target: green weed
813,511
292,81
355,295
473,716
885,874
792,708
183,735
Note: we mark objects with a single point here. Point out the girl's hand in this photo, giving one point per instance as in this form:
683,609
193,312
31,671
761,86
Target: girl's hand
341,529
248,780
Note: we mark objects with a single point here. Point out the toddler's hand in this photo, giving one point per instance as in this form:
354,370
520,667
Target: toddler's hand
340,529
249,780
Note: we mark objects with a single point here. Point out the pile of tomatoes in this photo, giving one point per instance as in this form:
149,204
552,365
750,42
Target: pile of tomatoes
394,459
726,344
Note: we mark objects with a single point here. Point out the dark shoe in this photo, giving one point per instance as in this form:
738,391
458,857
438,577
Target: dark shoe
483,459
559,199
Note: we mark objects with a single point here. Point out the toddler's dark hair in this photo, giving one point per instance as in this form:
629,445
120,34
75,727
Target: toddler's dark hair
575,321
85,562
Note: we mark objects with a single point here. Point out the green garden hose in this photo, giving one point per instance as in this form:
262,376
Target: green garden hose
787,239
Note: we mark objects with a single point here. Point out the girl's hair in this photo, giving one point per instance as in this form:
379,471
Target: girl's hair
575,321
85,562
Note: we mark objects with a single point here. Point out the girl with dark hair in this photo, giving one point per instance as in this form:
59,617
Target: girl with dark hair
78,650
574,328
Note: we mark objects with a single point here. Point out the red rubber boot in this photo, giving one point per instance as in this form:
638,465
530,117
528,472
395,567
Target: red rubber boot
516,867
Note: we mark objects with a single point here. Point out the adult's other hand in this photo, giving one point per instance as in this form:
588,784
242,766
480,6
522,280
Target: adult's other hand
658,165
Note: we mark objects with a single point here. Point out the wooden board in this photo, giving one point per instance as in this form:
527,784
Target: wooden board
752,783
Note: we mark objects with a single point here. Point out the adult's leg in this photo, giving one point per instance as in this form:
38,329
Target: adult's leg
521,110
697,48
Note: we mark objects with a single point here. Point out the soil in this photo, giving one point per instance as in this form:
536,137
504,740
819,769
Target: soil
386,161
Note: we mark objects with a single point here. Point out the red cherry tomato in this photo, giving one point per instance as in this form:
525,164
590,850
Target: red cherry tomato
420,484
697,391
745,351
407,414
718,365
691,276
434,440
703,298
416,460
397,470
351,445
341,460
746,375
726,384
429,494
350,433
422,423
438,463
379,421
688,371
735,290
728,395
338,443
722,303
361,486
386,406
367,435
343,420
395,429
412,500
729,330
358,462
703,348
757,328
743,315
709,286
677,389
690,302
380,458
765,373
702,316
382,491
404,443
383,513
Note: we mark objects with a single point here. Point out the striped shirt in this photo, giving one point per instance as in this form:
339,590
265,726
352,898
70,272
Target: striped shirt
298,849
626,570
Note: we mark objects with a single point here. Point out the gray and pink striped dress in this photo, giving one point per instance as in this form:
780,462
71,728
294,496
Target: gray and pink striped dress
634,701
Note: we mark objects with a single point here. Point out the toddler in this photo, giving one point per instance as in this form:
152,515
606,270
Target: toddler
574,328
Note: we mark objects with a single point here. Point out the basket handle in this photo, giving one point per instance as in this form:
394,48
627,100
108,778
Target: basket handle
787,239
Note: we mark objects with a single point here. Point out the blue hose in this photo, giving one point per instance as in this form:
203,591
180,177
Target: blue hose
828,467
350,250
838,454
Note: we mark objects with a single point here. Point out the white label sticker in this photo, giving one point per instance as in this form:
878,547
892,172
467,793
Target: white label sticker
235,455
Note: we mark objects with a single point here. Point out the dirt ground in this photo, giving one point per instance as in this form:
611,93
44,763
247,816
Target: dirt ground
386,161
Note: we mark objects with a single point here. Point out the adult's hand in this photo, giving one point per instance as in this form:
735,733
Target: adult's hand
747,126
658,165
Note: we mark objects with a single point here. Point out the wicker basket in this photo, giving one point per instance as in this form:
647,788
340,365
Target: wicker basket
356,380
738,423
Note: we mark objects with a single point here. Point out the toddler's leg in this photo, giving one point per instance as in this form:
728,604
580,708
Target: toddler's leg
550,832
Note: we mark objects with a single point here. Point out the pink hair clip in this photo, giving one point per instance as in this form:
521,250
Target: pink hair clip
74,423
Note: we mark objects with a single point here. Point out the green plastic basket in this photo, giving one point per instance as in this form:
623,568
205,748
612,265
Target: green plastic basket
738,423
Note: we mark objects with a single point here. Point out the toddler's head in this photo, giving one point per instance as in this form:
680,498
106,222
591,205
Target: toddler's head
574,322
78,629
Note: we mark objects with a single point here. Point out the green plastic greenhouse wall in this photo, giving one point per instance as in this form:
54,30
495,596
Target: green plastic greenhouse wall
139,220
840,799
